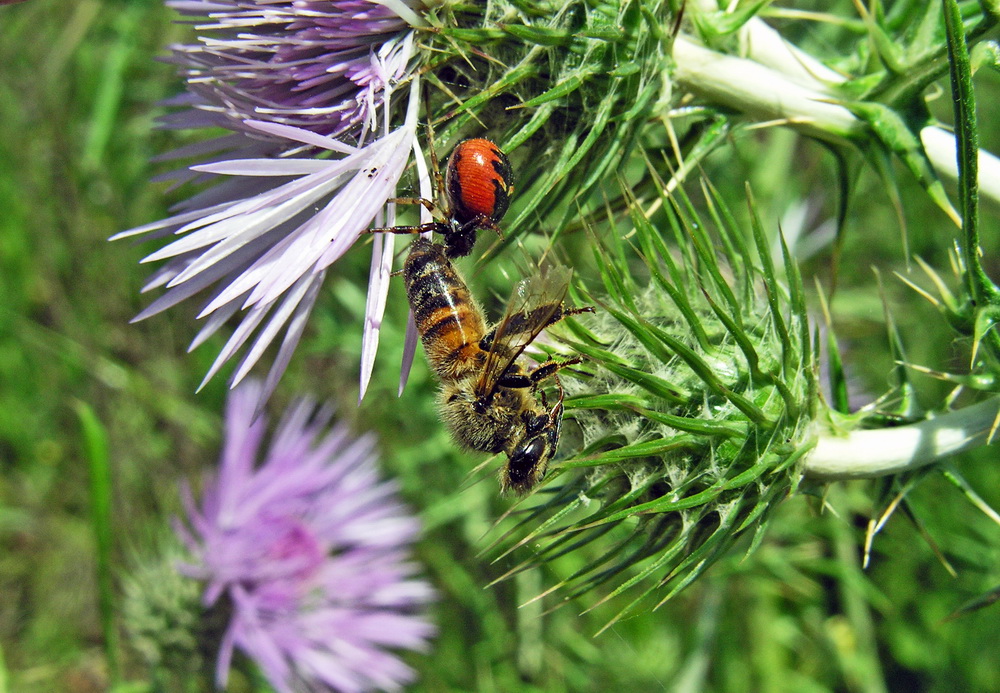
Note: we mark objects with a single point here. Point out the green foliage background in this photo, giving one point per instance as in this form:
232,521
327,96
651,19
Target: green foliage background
77,84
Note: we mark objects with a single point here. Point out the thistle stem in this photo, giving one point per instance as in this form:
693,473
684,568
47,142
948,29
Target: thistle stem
777,81
941,148
868,454
752,88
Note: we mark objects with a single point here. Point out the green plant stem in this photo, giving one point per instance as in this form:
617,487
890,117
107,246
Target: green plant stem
967,134
867,454
981,288
3,673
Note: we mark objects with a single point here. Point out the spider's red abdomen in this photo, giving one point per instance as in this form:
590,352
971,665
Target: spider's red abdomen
478,181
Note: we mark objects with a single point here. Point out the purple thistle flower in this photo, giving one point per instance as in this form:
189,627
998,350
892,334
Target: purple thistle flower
287,78
302,63
311,551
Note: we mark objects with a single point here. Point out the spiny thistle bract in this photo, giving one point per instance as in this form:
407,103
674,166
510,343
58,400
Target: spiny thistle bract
163,616
696,403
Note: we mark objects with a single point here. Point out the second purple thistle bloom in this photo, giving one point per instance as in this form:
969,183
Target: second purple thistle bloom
310,551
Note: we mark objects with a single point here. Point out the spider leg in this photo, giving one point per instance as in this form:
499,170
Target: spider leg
435,164
429,227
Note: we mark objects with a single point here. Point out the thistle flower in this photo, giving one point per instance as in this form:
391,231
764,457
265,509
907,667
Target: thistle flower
308,551
293,82
698,411
320,66
576,87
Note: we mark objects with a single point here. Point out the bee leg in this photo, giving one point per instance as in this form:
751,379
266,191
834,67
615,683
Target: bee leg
557,409
545,400
515,377
549,370
419,228
435,167
422,201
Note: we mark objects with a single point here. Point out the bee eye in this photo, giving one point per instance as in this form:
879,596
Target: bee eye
525,460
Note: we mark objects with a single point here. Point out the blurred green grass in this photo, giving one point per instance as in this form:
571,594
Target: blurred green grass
77,89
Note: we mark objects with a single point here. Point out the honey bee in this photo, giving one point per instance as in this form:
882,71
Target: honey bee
488,401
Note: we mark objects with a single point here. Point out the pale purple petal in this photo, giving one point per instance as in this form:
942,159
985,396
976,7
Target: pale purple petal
293,62
243,331
277,320
212,324
409,349
225,660
378,291
300,135
410,340
264,167
296,327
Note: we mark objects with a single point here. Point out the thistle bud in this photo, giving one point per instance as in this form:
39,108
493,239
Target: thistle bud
695,406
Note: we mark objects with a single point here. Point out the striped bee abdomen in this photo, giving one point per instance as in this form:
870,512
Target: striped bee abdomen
448,319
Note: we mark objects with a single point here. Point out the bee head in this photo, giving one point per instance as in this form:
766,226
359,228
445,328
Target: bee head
527,464
530,458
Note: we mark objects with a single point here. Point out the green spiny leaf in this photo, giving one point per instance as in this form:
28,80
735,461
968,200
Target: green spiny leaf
98,460
892,131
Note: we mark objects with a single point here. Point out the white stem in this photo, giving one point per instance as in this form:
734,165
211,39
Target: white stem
940,146
761,43
778,81
748,86
875,453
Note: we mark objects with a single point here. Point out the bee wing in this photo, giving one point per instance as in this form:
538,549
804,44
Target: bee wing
529,311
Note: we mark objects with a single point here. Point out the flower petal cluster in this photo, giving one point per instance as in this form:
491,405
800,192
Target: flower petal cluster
321,66
310,551
306,89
